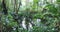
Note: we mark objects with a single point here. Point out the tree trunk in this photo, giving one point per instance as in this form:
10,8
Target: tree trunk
5,10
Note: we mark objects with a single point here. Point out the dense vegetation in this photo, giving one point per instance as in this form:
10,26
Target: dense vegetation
33,16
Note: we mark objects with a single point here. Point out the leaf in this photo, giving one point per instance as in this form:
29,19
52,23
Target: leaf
51,8
58,1
35,1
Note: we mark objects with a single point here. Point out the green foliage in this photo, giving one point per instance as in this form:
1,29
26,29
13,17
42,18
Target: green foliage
12,24
58,1
52,8
49,16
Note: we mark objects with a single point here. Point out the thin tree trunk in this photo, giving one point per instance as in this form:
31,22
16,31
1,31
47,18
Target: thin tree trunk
16,9
15,6
5,10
